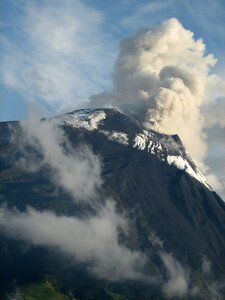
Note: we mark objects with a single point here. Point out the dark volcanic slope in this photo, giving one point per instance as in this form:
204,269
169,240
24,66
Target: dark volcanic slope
158,196
183,212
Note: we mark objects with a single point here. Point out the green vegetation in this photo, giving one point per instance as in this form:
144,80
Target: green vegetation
44,290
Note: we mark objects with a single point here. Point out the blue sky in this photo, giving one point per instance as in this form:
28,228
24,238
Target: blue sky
55,54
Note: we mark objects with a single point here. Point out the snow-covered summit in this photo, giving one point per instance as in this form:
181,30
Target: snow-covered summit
86,118
119,128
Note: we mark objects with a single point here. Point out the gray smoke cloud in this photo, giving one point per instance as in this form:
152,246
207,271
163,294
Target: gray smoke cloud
161,77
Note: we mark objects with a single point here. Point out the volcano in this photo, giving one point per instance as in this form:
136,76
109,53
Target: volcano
170,206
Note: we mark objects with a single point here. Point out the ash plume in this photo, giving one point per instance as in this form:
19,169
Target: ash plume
161,77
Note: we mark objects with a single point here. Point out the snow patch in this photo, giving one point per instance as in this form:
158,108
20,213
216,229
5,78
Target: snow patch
116,136
96,119
183,164
146,141
151,143
140,141
87,119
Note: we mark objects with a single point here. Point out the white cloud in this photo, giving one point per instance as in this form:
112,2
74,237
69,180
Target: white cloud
177,283
93,240
57,53
77,170
145,13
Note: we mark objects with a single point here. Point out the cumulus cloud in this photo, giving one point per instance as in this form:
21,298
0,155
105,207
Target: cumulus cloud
93,240
77,170
161,77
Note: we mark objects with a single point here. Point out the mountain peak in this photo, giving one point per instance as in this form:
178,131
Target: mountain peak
148,177
120,128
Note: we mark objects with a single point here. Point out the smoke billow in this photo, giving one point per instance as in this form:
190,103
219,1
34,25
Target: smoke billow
161,77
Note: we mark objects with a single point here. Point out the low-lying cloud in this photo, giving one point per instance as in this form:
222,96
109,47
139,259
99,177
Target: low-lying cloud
177,283
177,279
77,170
93,240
